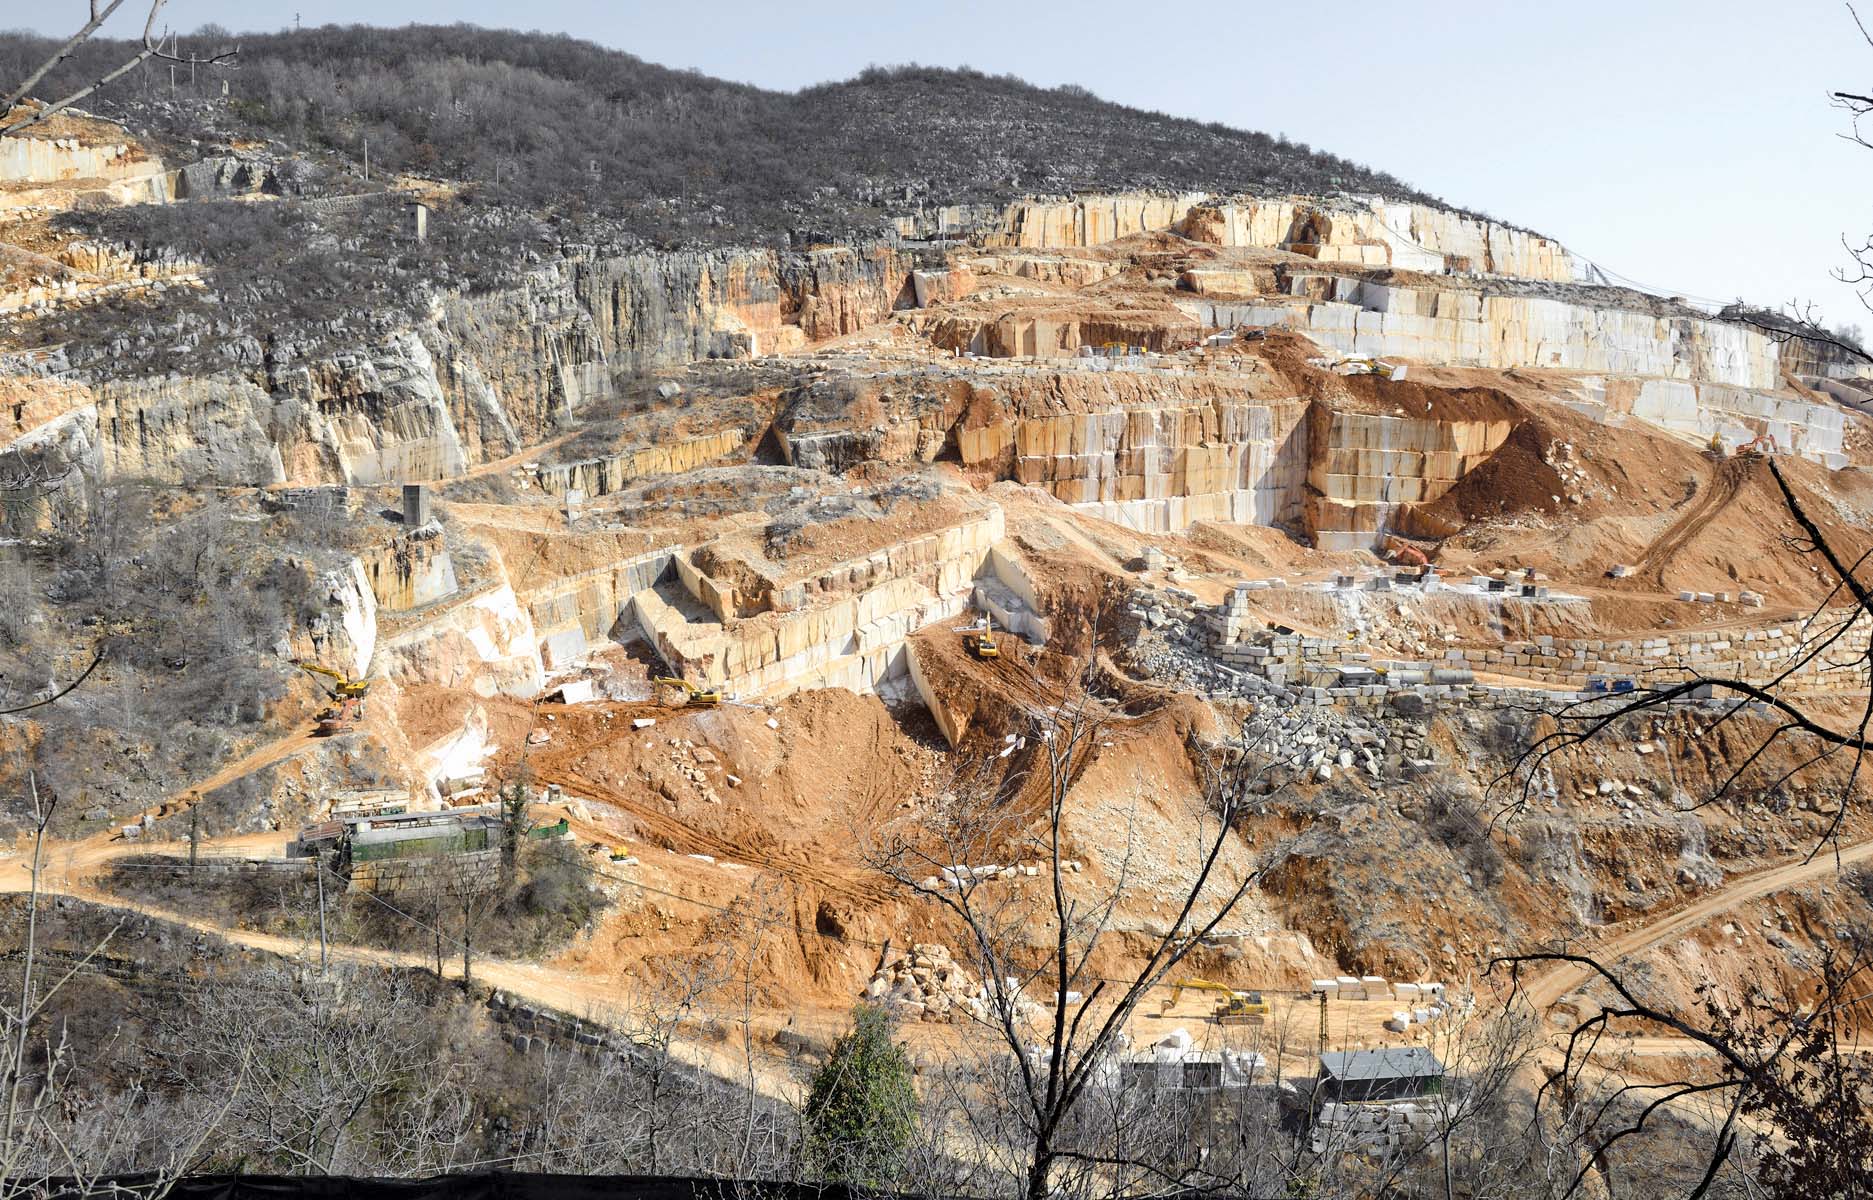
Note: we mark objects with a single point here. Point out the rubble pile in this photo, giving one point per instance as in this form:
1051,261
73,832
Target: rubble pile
928,984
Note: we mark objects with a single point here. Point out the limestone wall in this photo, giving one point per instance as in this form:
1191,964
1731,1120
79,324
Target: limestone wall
485,644
601,476
445,873
1375,232
1359,230
189,431
1701,411
852,639
1367,465
1157,466
349,594
572,613
1087,220
118,170
411,570
1467,328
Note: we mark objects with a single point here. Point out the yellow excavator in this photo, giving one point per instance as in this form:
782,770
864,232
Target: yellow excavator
346,695
981,642
693,696
1236,1008
343,687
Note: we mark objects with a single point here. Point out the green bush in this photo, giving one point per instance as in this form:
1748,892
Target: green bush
861,1108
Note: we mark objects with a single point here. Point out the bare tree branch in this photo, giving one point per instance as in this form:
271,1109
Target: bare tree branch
12,122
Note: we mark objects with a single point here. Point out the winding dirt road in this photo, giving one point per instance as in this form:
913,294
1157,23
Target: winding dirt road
1547,989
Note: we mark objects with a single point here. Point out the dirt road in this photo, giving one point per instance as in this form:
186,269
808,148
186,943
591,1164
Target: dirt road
1547,989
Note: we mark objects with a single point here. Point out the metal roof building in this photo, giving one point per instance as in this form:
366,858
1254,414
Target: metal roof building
1394,1073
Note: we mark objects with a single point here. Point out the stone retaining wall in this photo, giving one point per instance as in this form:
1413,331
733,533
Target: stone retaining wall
432,873
1562,665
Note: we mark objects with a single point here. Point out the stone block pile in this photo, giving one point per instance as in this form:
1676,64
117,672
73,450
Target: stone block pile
928,984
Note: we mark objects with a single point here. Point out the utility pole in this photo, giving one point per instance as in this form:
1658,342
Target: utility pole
318,865
195,835
367,160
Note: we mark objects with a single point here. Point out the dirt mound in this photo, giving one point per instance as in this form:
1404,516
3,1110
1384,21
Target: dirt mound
1517,478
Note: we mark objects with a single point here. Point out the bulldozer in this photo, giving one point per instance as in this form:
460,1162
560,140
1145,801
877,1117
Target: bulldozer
1236,1007
981,642
693,696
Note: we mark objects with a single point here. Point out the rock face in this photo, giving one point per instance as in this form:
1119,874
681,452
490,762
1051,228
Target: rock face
1472,328
97,161
1362,231
1148,451
769,643
487,374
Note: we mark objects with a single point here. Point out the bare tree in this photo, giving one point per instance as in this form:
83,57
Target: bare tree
1789,1066
471,895
1058,1022
318,1051
162,47
1825,645
50,1127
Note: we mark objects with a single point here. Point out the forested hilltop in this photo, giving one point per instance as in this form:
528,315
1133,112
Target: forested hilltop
549,121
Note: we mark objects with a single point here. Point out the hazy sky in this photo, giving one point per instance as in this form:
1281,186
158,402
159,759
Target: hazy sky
1687,144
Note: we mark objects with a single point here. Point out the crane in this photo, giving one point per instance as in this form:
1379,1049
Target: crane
694,696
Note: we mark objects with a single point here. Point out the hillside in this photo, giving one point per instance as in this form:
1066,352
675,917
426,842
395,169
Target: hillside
682,560
553,122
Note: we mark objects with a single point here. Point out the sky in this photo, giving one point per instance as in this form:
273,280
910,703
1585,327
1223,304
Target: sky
1688,145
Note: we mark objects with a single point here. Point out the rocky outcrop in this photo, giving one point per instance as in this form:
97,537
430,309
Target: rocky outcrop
1380,233
1473,328
602,476
411,571
485,644
1150,450
48,171
483,375
838,290
1368,466
845,627
1366,231
206,432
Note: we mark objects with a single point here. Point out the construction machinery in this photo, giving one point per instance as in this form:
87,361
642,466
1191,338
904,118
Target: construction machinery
1760,445
1236,1007
693,696
342,687
1403,553
981,642
341,714
346,695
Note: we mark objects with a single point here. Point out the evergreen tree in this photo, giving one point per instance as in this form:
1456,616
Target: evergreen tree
861,1107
